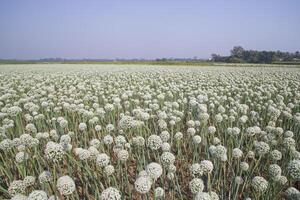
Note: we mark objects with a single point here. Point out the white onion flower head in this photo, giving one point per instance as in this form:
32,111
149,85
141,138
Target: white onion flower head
108,139
237,153
167,158
165,136
191,132
261,148
178,136
54,151
196,139
143,184
154,170
293,169
206,166
65,185
45,177
159,193
259,184
165,146
21,157
16,187
102,160
109,170
202,196
110,193
98,128
244,166
154,142
196,170
196,185
38,195
123,155
275,155
29,181
19,197
82,126
292,193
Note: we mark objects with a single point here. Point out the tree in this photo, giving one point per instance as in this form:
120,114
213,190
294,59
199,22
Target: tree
237,52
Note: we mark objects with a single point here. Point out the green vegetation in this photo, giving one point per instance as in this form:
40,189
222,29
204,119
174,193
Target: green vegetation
240,55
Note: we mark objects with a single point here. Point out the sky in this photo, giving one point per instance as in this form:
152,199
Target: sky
74,29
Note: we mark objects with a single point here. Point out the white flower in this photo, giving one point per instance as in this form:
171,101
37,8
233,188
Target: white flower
154,142
159,193
45,177
196,185
108,139
206,166
259,184
65,185
111,193
102,160
123,155
154,170
82,126
21,157
54,151
167,158
38,195
143,184
29,181
109,170
202,196
16,187
293,169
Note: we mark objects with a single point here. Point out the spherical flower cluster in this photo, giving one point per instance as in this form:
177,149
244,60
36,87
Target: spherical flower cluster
274,171
202,196
167,158
109,170
196,139
16,187
237,153
293,169
38,195
65,185
45,177
275,155
196,185
29,181
111,193
123,155
82,154
206,166
244,166
102,160
82,126
54,151
143,184
154,170
259,184
138,141
159,193
196,170
292,193
154,142
165,136
108,139
19,197
21,157
261,148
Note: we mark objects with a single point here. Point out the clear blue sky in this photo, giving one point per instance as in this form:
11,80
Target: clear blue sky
31,29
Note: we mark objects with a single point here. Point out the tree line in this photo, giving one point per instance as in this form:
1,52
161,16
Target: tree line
239,55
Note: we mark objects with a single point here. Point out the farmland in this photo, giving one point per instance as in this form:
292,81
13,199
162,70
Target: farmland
115,132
